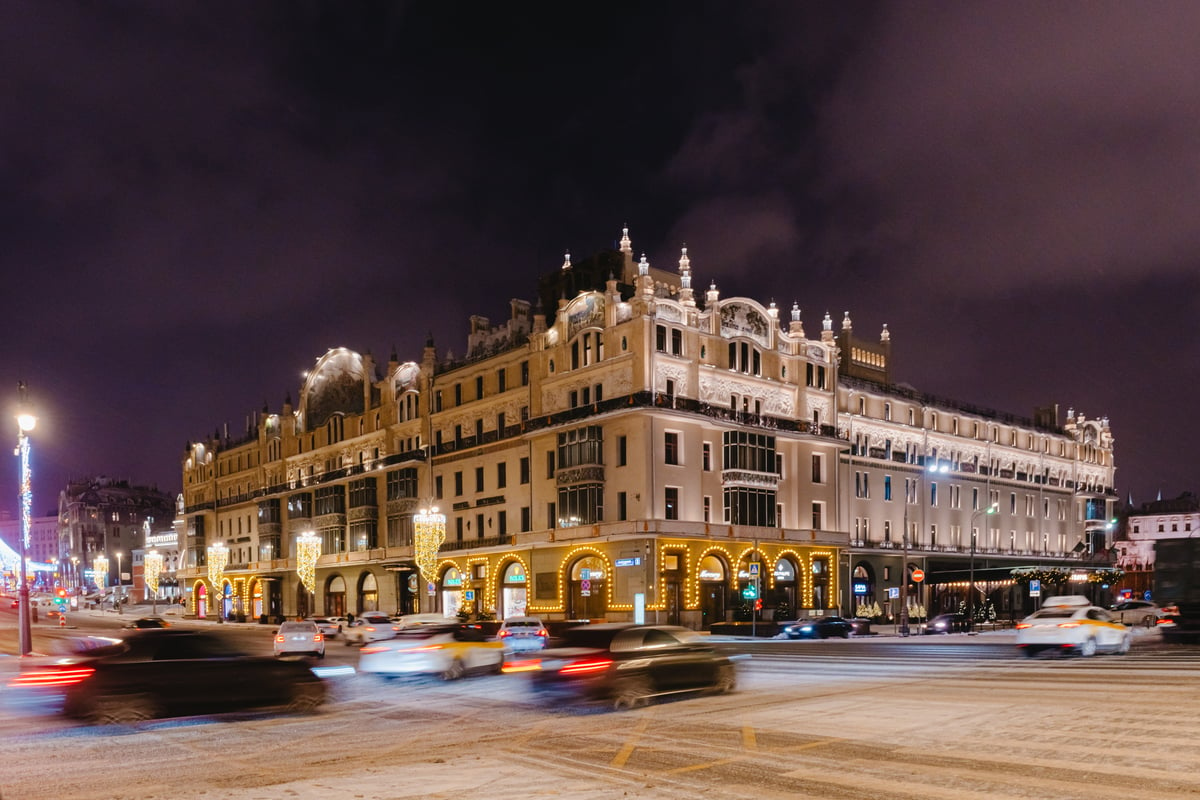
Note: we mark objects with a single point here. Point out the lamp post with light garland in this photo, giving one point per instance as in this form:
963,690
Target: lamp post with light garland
429,532
26,422
308,550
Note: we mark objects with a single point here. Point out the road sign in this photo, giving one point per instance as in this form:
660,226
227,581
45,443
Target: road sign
470,594
1035,588
431,588
753,568
893,592
585,573
585,585
918,575
750,592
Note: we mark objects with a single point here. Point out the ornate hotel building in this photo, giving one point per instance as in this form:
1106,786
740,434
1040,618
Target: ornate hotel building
637,452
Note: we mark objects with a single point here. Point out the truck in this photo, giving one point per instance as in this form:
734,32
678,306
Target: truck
1177,587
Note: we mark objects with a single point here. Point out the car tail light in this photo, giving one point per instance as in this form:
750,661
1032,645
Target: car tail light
504,633
1021,625
1165,621
318,638
53,677
370,628
544,633
369,650
1068,624
280,638
528,665
586,665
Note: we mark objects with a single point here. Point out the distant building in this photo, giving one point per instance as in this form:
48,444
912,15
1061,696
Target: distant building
629,445
100,516
42,549
1178,518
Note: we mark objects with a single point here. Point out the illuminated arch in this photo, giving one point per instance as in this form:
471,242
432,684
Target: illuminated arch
575,554
495,583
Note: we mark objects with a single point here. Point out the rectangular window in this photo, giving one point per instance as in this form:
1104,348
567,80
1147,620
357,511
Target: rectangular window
524,470
933,495
676,342
818,468
581,505
706,455
362,493
479,387
402,484
750,506
660,338
887,487
621,451
458,394
581,447
671,448
501,380
437,487
479,479
458,484
524,373
526,520
479,526
551,516
549,463
707,508
501,475
458,529
621,506
671,502
818,515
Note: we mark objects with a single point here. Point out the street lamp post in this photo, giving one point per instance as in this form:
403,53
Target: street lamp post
75,573
217,557
932,469
25,423
120,585
308,550
992,509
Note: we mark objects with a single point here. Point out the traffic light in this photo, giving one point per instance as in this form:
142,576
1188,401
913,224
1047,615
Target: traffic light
758,604
60,596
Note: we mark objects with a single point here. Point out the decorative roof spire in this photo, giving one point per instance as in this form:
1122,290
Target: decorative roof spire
827,323
643,266
566,265
626,244
711,296
846,325
797,327
685,279
885,335
772,310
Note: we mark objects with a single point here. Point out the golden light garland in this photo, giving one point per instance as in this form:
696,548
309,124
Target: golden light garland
308,550
152,564
218,558
100,572
429,532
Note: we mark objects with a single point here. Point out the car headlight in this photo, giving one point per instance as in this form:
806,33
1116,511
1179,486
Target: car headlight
806,629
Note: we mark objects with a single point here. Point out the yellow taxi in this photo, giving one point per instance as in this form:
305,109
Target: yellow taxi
1071,624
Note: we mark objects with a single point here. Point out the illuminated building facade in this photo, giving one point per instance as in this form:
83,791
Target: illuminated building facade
634,450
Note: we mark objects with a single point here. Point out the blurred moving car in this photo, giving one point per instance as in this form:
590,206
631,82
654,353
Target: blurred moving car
1072,624
328,626
948,623
149,622
304,638
370,627
416,620
1137,612
818,628
448,651
168,673
522,634
627,665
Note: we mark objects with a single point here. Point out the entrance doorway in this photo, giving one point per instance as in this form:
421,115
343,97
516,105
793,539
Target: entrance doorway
714,592
513,592
586,600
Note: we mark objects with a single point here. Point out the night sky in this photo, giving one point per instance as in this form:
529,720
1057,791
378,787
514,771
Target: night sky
200,198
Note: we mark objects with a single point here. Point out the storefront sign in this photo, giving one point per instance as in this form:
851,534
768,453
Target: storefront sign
628,562
860,588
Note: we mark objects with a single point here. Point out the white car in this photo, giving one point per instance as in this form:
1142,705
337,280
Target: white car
1137,612
522,634
329,626
1072,624
370,628
444,651
303,638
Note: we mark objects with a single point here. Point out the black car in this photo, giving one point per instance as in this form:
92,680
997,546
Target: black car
168,672
628,665
149,622
948,623
818,628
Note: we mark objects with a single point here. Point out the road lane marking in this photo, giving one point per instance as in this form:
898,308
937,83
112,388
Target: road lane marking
627,749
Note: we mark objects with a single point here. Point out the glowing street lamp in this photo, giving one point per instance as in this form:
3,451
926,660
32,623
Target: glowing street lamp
25,423
218,558
992,509
429,532
120,584
152,564
308,550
